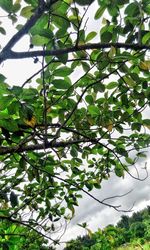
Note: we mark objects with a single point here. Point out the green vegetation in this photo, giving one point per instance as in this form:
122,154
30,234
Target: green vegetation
130,233
78,119
14,237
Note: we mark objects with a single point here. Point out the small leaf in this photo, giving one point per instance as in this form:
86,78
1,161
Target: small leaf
90,36
27,11
129,160
146,123
63,58
112,85
146,38
38,40
31,122
109,126
133,9
99,12
106,37
112,52
2,31
93,110
119,171
89,99
49,169
61,84
63,71
13,199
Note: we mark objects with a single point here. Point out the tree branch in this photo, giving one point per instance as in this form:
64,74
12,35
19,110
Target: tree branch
9,54
32,147
6,52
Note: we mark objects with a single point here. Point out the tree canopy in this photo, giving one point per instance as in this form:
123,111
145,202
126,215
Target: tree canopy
81,117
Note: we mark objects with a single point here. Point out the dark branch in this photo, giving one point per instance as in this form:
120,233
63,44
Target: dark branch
5,54
24,148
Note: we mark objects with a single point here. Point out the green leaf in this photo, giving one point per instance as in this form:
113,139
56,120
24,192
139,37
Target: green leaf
2,31
6,5
119,171
85,66
133,9
4,101
129,160
146,38
38,40
90,36
112,85
93,110
16,7
27,11
9,124
129,81
4,114
49,169
106,37
99,12
13,199
74,152
61,84
43,32
136,126
120,150
146,122
63,58
2,78
63,71
89,99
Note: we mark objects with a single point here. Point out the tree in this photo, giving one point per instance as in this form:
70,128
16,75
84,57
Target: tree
124,222
83,117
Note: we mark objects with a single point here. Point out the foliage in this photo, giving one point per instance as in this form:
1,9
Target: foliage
78,119
16,237
114,237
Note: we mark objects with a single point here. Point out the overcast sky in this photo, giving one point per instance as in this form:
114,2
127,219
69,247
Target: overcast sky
89,210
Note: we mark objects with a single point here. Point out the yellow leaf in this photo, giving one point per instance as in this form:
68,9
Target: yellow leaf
109,126
112,52
144,65
31,122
